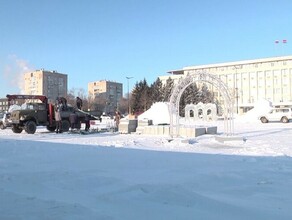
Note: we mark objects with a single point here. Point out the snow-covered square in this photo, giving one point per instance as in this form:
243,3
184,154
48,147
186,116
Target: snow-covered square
129,176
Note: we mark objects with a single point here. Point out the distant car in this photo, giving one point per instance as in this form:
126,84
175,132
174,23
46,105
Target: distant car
277,114
1,120
5,120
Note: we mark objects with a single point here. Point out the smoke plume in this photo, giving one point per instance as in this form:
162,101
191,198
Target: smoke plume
14,72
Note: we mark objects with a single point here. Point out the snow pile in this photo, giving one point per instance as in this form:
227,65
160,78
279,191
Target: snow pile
14,108
260,108
158,113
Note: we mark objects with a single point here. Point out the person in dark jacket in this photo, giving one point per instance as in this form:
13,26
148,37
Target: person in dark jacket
73,118
79,103
62,102
87,122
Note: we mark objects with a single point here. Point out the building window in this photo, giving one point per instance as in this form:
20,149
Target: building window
61,82
284,72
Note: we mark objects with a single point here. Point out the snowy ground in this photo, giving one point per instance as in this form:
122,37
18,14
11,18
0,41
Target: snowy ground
116,176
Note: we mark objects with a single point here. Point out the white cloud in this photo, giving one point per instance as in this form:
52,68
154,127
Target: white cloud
14,70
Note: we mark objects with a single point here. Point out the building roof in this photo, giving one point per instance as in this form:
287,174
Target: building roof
234,63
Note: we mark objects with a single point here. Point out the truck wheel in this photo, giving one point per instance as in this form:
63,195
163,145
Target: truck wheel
65,125
30,127
16,129
284,120
51,128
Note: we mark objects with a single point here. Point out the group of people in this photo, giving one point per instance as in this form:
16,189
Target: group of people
75,123
61,105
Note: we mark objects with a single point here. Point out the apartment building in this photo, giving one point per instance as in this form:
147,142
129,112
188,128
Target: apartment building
110,92
3,104
249,80
49,83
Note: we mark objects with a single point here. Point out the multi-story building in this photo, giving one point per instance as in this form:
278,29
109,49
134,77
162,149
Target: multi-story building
3,104
110,92
49,83
249,80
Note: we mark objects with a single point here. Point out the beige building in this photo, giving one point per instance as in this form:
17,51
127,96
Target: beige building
110,92
3,104
49,83
249,80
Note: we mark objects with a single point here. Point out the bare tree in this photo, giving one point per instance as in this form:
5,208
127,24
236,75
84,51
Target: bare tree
123,105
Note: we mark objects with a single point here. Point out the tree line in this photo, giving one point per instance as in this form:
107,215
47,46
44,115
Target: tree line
143,96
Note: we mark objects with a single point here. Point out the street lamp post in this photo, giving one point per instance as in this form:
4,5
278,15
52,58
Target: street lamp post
117,102
236,87
128,79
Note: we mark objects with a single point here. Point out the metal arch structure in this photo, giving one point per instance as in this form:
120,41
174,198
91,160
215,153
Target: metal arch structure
200,76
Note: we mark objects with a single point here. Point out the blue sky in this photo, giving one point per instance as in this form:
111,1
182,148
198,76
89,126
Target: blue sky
111,39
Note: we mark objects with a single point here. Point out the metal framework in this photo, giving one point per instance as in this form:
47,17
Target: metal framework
200,76
40,97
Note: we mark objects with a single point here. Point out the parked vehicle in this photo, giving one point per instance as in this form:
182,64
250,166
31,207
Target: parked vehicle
5,120
277,114
38,112
1,120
